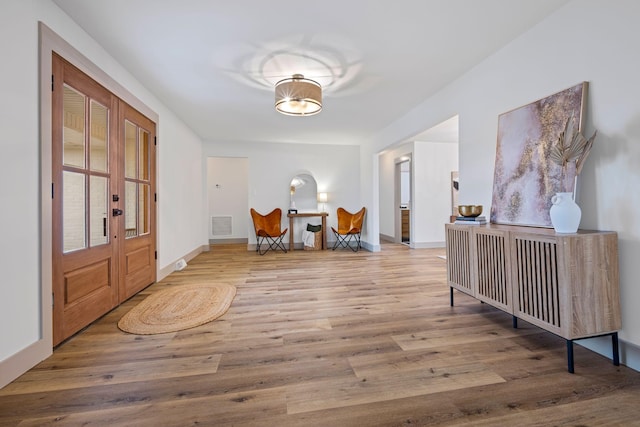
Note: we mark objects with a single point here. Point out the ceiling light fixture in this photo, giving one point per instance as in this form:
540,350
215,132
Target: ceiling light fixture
297,96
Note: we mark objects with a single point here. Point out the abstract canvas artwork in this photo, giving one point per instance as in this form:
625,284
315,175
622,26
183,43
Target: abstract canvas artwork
524,177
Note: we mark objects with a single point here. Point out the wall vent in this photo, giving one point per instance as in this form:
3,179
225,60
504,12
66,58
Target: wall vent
221,226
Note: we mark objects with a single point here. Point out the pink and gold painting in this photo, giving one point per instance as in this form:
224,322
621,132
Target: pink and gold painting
525,178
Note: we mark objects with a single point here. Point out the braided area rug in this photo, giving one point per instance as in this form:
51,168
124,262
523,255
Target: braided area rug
177,308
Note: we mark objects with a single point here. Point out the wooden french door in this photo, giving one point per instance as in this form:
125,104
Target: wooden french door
103,195
137,186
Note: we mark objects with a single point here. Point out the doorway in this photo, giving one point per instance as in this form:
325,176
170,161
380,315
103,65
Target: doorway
403,200
228,199
103,200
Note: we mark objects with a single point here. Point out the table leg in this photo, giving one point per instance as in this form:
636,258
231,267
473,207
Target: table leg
570,356
290,233
324,232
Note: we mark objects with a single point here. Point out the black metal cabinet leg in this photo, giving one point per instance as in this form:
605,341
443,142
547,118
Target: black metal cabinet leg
615,348
451,296
514,321
570,356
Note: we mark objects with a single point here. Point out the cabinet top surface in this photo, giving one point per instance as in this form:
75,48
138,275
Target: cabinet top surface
526,229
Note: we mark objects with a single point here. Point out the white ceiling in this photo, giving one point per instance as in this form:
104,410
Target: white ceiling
214,62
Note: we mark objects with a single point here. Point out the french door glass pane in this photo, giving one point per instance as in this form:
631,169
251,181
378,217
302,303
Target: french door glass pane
143,208
131,230
73,211
98,210
74,127
130,159
99,134
144,155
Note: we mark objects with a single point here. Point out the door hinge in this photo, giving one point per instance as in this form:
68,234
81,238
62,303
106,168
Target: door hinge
52,190
51,82
155,140
52,299
155,254
155,197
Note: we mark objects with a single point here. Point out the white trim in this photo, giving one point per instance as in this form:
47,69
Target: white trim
367,246
164,272
426,245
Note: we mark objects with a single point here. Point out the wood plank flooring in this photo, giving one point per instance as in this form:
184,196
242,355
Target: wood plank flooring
324,338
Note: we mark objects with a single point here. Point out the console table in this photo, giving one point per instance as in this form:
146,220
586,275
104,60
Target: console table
293,216
567,284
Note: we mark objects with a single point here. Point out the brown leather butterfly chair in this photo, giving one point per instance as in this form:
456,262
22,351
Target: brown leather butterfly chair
349,228
268,232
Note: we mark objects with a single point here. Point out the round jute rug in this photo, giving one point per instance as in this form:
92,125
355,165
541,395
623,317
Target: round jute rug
177,308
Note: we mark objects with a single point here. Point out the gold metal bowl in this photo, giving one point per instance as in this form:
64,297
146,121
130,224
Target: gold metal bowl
470,210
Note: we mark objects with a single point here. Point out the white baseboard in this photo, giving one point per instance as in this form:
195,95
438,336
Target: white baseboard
171,267
228,241
629,353
369,247
17,364
426,245
386,238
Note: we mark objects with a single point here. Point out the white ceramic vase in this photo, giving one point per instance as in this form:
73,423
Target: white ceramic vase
565,213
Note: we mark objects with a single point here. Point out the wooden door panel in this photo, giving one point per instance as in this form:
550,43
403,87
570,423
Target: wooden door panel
85,273
138,259
139,267
76,319
87,280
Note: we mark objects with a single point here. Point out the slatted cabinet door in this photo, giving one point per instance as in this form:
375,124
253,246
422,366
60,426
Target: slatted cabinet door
568,283
459,264
539,298
491,266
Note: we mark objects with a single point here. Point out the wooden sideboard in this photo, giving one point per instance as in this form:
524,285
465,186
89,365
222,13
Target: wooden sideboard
566,284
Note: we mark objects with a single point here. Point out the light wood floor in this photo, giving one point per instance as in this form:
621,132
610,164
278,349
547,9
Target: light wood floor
324,339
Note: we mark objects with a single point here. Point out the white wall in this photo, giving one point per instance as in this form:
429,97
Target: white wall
273,165
181,225
19,182
587,40
228,190
431,167
182,194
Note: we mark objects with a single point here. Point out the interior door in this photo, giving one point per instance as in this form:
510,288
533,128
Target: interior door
85,271
138,202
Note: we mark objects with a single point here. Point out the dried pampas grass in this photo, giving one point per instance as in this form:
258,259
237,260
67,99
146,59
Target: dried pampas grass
571,146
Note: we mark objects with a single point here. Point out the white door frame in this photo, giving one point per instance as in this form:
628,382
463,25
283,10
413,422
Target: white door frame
407,158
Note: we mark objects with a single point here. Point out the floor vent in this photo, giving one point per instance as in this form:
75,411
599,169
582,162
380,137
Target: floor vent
221,226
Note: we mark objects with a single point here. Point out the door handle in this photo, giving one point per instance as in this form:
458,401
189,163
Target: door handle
117,212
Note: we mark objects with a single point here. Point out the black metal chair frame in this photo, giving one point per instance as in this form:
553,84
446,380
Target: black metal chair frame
274,243
344,240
